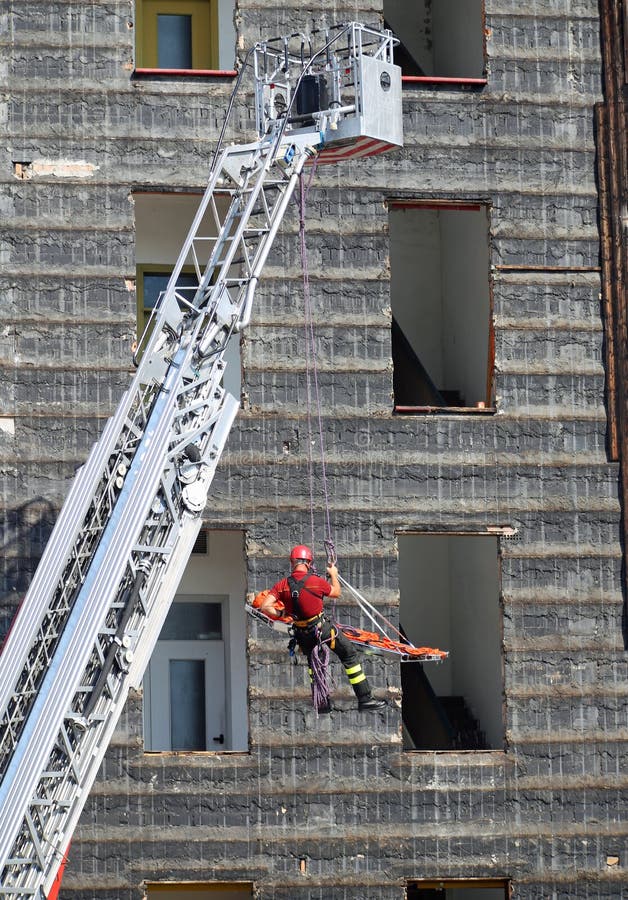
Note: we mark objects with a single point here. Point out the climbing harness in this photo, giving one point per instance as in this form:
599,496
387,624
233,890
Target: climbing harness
318,654
296,585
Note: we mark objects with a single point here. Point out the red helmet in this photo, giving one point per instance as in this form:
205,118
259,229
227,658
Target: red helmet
301,553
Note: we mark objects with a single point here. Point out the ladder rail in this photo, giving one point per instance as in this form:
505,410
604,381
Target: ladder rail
36,604
74,648
49,726
43,612
82,763
93,603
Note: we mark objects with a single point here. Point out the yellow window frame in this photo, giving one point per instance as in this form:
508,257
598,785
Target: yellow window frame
204,15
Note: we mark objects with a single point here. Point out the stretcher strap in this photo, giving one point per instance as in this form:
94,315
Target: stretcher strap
373,614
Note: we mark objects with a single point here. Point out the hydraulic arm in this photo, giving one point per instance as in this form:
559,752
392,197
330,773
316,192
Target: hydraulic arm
92,615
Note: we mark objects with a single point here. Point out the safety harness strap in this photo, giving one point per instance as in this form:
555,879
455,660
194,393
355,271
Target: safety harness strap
296,586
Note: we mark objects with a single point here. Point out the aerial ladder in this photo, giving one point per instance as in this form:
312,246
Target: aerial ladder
88,624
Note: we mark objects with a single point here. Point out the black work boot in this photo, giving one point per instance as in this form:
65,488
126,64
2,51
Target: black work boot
369,703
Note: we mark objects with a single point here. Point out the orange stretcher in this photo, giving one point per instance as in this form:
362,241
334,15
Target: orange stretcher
368,641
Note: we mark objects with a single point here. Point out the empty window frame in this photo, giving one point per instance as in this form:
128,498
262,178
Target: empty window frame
162,222
195,684
232,890
442,338
185,35
439,38
450,598
152,281
472,889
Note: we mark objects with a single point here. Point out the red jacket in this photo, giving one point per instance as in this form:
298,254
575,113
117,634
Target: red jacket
310,598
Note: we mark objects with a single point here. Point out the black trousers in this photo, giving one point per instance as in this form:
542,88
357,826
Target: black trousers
328,633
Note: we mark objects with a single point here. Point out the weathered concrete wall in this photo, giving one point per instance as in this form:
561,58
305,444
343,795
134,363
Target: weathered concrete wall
546,811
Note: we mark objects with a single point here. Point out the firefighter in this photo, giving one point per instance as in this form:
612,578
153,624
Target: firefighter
300,595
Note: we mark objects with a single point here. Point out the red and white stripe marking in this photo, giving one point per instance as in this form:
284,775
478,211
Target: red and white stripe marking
357,149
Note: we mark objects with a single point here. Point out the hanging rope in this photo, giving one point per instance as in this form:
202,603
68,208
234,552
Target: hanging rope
319,663
313,393
311,371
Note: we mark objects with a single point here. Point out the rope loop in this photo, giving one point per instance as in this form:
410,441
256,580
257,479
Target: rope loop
330,550
319,662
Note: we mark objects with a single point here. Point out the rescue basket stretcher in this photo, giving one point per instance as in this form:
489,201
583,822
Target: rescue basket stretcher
367,641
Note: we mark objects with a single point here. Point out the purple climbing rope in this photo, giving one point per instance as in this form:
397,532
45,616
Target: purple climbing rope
319,664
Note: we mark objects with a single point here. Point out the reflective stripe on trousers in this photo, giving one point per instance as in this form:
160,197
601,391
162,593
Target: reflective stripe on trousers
355,674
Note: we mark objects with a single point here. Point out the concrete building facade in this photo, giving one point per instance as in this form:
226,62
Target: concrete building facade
469,351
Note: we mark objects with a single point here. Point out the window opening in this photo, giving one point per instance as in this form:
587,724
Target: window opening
442,332
472,889
449,596
439,38
193,621
152,282
195,683
185,35
218,890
